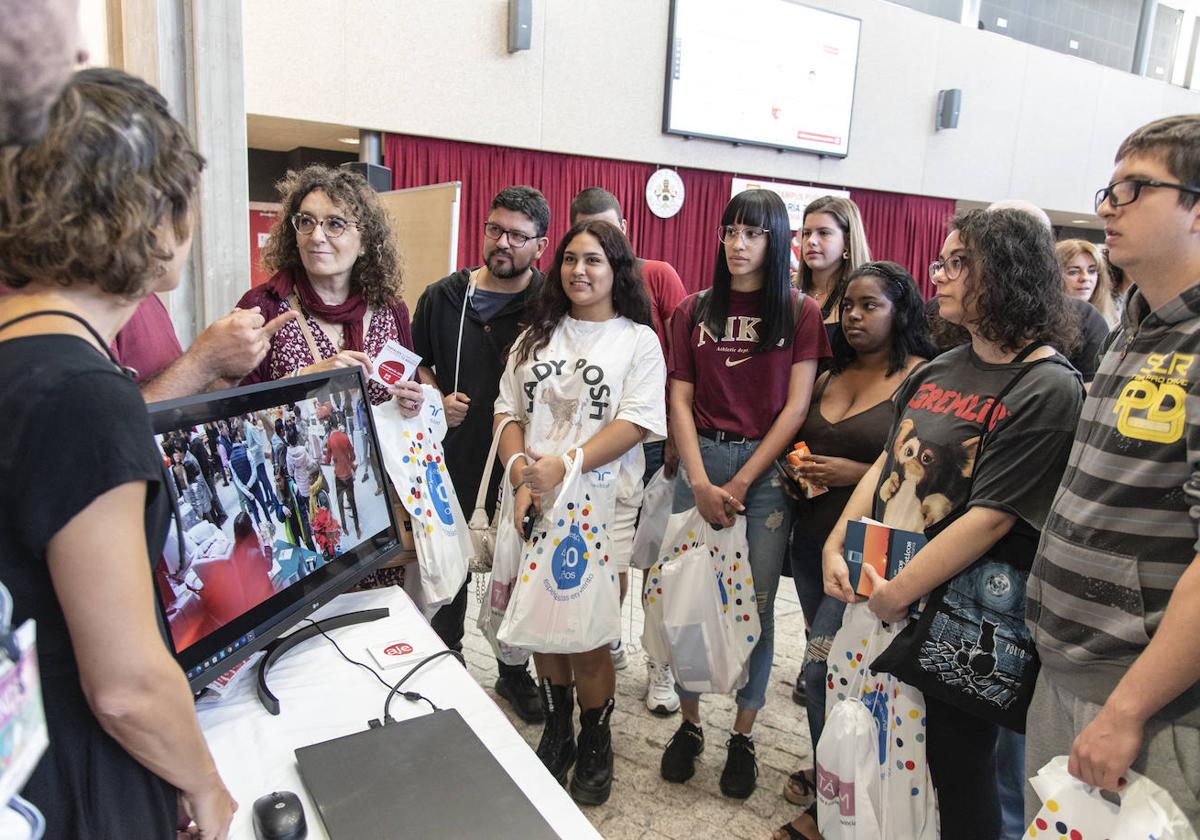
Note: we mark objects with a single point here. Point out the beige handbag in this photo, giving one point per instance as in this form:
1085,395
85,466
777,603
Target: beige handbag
482,530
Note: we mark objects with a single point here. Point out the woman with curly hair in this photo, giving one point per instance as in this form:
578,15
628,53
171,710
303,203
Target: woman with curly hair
832,245
1086,276
584,380
998,277
333,260
94,216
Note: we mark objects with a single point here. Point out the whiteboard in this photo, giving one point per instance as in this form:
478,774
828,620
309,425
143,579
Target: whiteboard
424,223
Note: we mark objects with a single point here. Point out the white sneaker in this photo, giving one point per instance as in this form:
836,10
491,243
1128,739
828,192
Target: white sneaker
619,657
661,698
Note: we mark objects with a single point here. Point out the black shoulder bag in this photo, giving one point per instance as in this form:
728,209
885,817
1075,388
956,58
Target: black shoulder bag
970,647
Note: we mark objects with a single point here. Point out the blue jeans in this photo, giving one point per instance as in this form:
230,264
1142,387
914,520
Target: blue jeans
768,522
1010,780
653,453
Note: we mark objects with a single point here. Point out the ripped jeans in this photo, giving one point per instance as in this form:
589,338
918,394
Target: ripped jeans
768,523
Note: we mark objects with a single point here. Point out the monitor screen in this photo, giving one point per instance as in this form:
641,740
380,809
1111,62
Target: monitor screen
799,93
279,491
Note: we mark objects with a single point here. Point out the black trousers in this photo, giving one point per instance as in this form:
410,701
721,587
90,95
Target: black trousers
962,761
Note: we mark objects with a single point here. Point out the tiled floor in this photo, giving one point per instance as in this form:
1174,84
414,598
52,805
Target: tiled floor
642,803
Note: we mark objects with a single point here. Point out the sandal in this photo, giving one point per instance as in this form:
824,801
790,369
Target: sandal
799,789
790,832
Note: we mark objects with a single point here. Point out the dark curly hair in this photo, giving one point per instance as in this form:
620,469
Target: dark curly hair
552,304
84,203
378,273
910,330
1014,281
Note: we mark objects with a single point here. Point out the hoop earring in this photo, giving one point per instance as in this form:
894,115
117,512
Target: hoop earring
845,255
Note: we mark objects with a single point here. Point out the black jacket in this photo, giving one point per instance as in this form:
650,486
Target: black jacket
484,353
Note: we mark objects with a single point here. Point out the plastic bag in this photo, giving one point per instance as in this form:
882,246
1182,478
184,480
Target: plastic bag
652,521
1074,809
416,464
506,562
895,800
567,597
727,584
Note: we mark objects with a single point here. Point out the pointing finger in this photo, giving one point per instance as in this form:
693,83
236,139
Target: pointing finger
272,326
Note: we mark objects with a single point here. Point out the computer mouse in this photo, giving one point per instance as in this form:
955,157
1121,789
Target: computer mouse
279,816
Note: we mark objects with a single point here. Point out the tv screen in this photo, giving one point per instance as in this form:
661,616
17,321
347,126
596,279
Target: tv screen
764,72
279,491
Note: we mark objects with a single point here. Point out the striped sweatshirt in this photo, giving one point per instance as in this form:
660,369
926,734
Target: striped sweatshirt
1123,527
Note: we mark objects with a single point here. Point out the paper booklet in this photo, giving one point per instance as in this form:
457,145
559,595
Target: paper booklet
885,549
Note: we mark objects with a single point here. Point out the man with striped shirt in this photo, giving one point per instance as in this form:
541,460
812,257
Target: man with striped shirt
1114,595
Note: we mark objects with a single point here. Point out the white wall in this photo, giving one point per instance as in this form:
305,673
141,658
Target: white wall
1035,124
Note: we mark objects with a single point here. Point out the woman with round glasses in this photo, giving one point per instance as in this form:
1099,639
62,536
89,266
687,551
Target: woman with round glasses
978,478
744,355
333,259
1086,277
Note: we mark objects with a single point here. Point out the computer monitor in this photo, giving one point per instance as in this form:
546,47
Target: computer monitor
241,573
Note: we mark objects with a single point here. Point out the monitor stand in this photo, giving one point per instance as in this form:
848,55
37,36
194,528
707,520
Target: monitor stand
283,644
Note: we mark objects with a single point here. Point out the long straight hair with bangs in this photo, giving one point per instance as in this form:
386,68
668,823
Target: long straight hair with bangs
764,209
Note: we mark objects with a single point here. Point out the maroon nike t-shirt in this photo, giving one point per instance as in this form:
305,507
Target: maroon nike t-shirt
736,389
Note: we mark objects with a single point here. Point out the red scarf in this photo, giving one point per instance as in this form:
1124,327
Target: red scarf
349,314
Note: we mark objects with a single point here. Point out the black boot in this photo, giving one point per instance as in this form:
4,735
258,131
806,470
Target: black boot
557,747
592,782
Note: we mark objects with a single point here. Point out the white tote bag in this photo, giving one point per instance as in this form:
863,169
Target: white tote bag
876,712
567,598
506,562
723,554
652,521
1071,808
416,464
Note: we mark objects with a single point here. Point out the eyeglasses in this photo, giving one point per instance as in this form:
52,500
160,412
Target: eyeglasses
515,238
333,226
1124,192
953,267
728,234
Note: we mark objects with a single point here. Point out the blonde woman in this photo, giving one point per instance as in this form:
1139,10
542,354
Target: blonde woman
1086,276
832,245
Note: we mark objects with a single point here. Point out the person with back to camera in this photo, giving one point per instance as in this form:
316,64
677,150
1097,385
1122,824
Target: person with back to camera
884,337
94,216
743,359
832,245
998,277
333,260
593,306
1086,276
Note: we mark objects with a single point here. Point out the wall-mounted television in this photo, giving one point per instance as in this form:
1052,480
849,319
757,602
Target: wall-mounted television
302,512
762,72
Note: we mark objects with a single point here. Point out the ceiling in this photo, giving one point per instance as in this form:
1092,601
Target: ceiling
281,134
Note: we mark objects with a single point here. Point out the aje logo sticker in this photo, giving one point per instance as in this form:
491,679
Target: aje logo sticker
570,560
398,649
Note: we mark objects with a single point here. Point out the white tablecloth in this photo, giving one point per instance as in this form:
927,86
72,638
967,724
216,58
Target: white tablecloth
322,696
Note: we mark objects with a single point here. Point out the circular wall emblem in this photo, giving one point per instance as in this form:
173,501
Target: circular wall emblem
664,193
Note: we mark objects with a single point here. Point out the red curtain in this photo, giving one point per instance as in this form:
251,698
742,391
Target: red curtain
688,241
908,229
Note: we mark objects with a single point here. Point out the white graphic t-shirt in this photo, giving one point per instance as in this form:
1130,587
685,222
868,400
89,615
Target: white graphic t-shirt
590,374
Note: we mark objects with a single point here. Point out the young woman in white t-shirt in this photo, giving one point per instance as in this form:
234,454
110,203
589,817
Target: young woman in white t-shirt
588,374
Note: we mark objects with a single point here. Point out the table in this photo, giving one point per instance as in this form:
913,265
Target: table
322,697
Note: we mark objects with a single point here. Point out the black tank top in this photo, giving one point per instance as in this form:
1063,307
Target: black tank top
859,437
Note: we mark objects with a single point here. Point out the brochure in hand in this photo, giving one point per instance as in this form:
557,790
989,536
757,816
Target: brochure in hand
886,549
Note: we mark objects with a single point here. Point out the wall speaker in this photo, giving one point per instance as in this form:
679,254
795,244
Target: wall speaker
948,104
520,24
379,177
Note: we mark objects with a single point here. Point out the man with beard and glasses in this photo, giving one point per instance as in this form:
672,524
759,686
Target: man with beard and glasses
462,328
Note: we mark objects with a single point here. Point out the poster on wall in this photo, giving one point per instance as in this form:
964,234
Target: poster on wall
262,215
795,197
